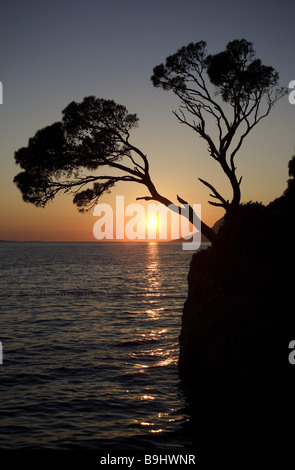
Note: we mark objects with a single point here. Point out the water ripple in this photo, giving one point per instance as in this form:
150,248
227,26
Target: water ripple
89,333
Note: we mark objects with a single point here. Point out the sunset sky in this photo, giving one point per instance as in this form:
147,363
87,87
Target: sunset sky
54,52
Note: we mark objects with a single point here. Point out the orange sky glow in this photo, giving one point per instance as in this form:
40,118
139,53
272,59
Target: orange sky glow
42,73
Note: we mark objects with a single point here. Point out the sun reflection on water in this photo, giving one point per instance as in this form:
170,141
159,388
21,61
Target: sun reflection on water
153,276
154,352
147,397
153,345
147,424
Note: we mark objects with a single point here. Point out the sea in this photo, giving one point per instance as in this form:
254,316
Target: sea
89,335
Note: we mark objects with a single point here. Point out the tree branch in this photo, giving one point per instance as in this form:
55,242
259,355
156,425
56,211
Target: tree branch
224,203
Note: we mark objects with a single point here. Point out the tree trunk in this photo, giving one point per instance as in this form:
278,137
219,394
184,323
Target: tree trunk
205,229
208,232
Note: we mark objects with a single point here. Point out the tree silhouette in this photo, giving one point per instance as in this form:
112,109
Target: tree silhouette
248,91
291,167
95,133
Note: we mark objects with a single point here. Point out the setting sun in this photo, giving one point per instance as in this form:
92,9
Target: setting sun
152,223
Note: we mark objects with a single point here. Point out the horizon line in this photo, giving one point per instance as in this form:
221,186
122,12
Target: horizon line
87,241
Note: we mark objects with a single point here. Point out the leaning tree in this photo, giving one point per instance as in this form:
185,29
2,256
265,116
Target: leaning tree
232,88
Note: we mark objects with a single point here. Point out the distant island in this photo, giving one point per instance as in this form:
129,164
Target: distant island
215,227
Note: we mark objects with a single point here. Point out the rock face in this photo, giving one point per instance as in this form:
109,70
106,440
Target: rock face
237,323
239,317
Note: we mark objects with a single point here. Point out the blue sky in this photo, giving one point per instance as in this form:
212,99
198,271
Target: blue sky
55,52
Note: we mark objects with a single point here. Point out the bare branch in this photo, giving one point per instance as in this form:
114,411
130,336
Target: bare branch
240,80
182,201
146,198
216,204
224,203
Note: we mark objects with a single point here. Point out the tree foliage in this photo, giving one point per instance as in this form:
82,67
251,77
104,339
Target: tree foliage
90,149
248,88
291,167
92,134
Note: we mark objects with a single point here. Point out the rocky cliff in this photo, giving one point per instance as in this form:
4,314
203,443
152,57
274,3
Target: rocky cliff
239,316
238,321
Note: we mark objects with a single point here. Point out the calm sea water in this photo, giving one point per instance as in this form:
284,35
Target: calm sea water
90,346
